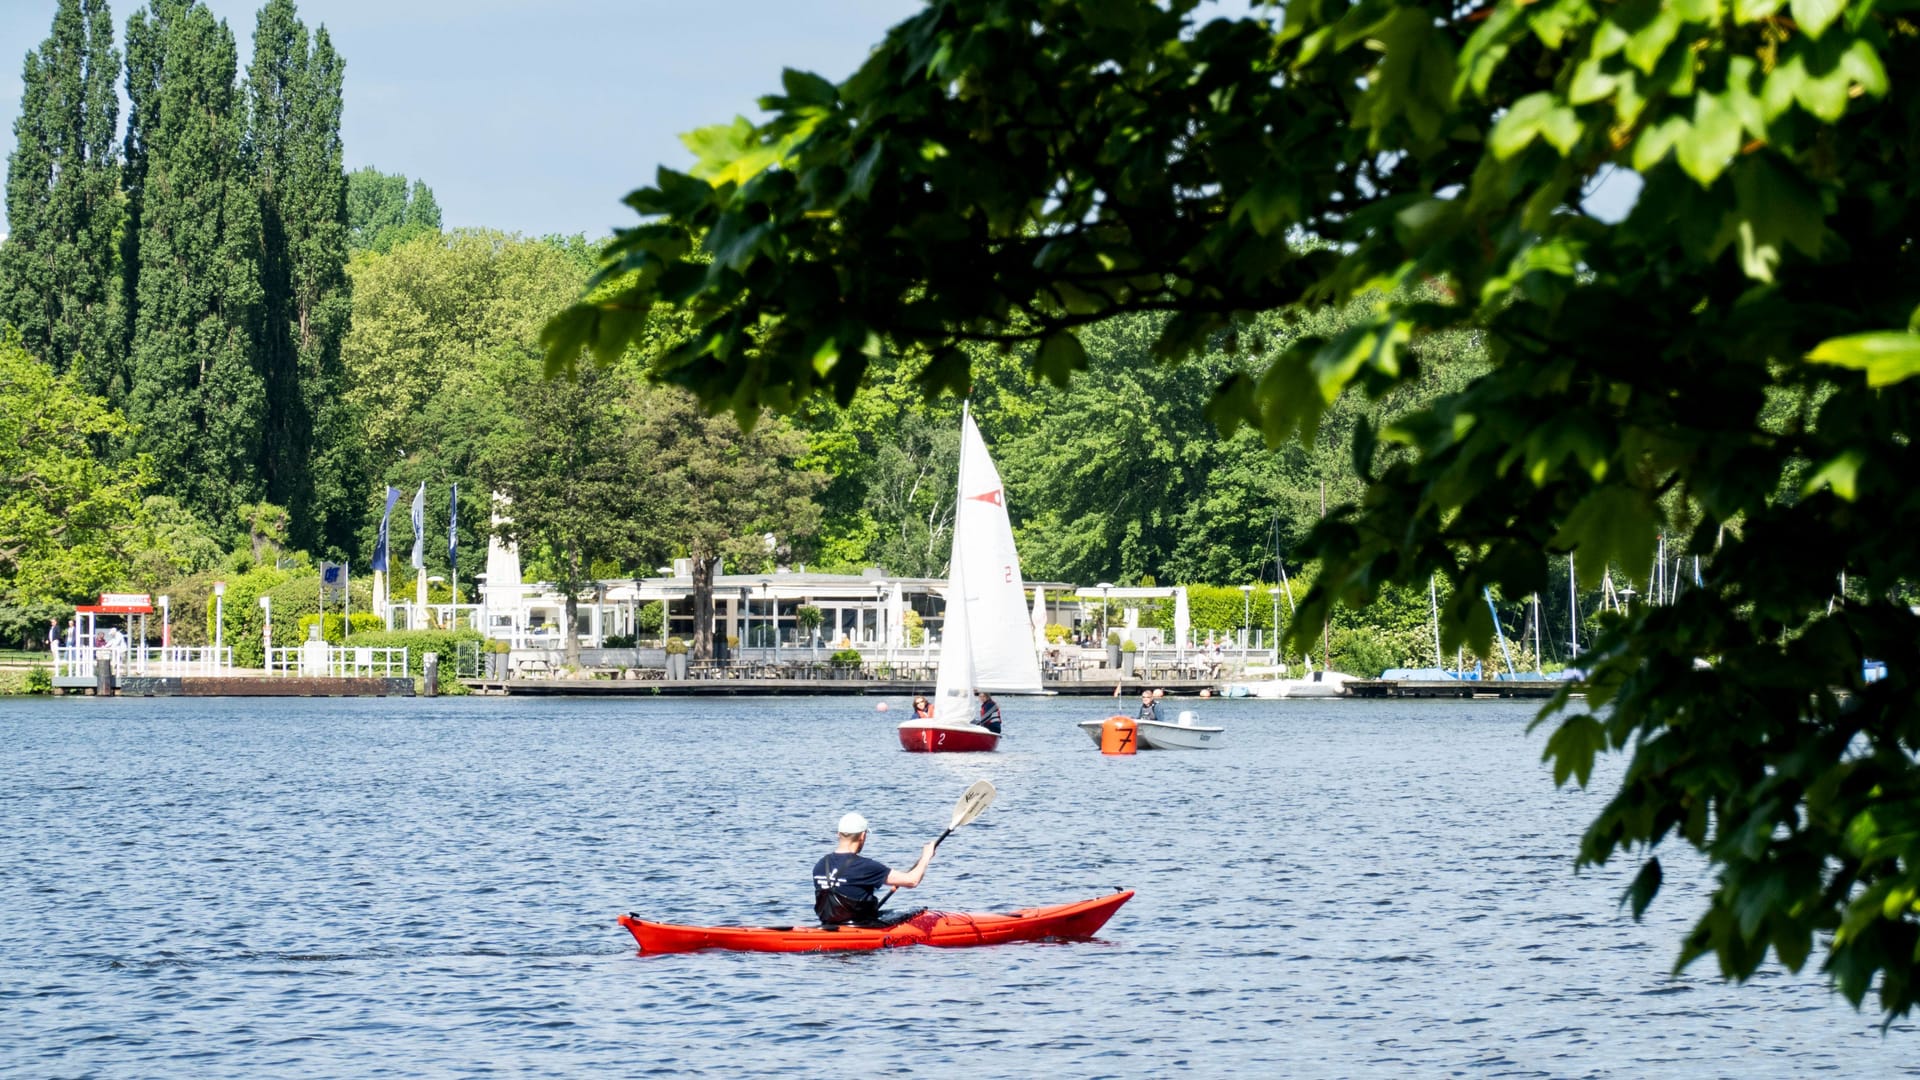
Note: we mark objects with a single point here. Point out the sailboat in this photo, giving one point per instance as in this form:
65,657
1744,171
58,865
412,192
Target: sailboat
987,642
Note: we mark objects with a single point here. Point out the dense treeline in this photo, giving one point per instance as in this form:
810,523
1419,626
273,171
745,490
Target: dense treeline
262,342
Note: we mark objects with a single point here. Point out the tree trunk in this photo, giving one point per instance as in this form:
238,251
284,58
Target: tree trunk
568,635
703,607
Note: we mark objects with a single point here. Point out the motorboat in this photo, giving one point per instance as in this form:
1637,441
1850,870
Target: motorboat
1186,733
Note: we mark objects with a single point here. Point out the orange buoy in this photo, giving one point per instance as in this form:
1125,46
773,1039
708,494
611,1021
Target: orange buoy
1116,736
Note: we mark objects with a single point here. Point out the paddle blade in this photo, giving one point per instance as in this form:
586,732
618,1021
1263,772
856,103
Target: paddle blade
972,804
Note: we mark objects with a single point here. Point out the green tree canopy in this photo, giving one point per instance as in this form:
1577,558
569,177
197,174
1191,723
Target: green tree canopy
68,518
1012,171
198,398
383,212
57,274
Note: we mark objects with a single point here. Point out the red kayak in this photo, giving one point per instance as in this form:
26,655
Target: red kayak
947,929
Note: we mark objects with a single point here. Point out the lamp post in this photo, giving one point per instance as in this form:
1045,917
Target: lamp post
880,636
1103,587
266,631
1246,618
219,618
773,616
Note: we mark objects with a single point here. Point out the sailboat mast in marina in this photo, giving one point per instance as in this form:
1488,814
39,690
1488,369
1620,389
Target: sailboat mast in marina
987,642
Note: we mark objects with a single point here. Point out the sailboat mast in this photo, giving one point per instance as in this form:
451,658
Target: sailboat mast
1433,599
1573,612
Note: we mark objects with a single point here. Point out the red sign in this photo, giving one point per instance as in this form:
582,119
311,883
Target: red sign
116,603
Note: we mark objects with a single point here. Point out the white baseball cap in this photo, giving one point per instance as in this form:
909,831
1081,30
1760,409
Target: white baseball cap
852,824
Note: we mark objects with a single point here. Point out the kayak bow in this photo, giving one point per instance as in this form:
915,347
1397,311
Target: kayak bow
945,929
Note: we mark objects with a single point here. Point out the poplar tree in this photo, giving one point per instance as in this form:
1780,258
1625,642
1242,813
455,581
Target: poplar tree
295,155
197,392
57,265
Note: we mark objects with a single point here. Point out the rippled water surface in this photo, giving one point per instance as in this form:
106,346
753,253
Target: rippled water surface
238,888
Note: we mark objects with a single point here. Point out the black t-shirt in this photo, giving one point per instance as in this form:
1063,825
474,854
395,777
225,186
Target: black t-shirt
844,885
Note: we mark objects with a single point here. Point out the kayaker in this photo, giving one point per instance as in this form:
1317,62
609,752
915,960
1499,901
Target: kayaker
845,881
1148,709
922,708
989,713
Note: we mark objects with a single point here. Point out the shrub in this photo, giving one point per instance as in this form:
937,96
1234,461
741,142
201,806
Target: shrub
364,622
418,644
676,647
847,658
1113,637
1129,645
39,680
916,629
1057,634
618,641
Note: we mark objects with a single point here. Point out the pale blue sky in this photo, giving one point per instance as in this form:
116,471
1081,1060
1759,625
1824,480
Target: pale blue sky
537,116
533,115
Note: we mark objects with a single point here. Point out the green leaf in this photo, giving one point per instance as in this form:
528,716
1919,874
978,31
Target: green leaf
1749,11
1888,357
1656,140
1774,206
1536,114
1842,474
1711,140
807,88
1061,354
1572,748
1650,42
1614,524
1814,16
1646,885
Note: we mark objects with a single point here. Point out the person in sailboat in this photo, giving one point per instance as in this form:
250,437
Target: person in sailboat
845,882
922,708
989,713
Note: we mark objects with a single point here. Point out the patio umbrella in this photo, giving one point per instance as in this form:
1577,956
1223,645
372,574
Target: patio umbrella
1182,622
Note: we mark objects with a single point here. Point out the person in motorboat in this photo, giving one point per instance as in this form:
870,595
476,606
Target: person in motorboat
845,881
922,708
989,713
1149,709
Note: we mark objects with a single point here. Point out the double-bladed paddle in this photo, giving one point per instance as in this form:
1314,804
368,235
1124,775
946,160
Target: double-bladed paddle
973,802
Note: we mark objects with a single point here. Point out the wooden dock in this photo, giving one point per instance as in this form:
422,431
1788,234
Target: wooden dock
260,686
801,687
1461,689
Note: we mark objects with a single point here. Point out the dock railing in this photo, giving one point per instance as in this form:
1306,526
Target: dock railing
77,664
339,661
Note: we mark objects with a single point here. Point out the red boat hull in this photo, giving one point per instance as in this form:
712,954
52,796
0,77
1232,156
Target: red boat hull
934,739
941,929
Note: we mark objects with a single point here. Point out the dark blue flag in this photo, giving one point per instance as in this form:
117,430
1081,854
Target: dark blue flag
380,546
453,530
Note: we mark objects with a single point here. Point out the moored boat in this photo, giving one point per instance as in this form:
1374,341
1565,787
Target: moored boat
942,929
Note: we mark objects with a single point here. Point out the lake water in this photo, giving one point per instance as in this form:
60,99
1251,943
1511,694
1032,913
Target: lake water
243,888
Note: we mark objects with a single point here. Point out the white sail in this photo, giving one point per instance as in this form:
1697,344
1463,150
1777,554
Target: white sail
986,576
